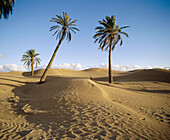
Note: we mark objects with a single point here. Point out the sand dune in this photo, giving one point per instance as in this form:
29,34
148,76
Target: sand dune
70,105
146,75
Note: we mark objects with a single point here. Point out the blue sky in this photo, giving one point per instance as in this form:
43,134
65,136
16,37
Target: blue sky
28,28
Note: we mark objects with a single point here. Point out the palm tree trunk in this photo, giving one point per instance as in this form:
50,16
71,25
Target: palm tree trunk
110,65
32,67
43,77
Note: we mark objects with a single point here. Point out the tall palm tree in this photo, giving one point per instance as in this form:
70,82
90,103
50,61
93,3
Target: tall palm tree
108,35
6,7
30,58
63,29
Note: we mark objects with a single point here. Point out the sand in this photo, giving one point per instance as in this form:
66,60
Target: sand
71,105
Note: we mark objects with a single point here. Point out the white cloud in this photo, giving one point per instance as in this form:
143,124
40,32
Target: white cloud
123,67
1,67
74,66
149,67
68,66
126,67
129,67
103,65
11,67
167,68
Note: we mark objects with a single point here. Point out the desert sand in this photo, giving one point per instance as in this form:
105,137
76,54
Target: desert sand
71,105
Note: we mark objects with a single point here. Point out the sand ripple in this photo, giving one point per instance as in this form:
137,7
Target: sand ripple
75,107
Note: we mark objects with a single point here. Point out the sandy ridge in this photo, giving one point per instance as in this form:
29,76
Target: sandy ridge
76,107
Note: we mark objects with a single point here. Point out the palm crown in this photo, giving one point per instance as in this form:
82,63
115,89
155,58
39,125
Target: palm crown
6,7
30,56
65,25
109,34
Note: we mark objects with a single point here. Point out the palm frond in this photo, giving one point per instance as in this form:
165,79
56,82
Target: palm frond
71,23
65,25
54,27
68,36
6,8
37,54
56,32
28,56
125,34
28,64
124,27
74,28
25,56
99,28
25,62
25,59
108,33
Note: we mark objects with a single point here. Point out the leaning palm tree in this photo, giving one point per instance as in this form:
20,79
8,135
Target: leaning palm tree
63,29
30,58
6,7
108,35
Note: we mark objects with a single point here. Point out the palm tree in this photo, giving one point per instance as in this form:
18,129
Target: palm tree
65,25
108,35
30,58
6,7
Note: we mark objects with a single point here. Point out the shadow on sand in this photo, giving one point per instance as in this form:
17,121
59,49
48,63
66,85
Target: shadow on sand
121,79
57,115
47,98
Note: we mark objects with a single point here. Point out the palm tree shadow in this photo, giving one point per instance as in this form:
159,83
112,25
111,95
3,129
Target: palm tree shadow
106,79
53,111
11,80
56,113
9,85
120,79
26,74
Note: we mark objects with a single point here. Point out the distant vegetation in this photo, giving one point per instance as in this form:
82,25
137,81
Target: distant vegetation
6,8
30,58
108,35
62,30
